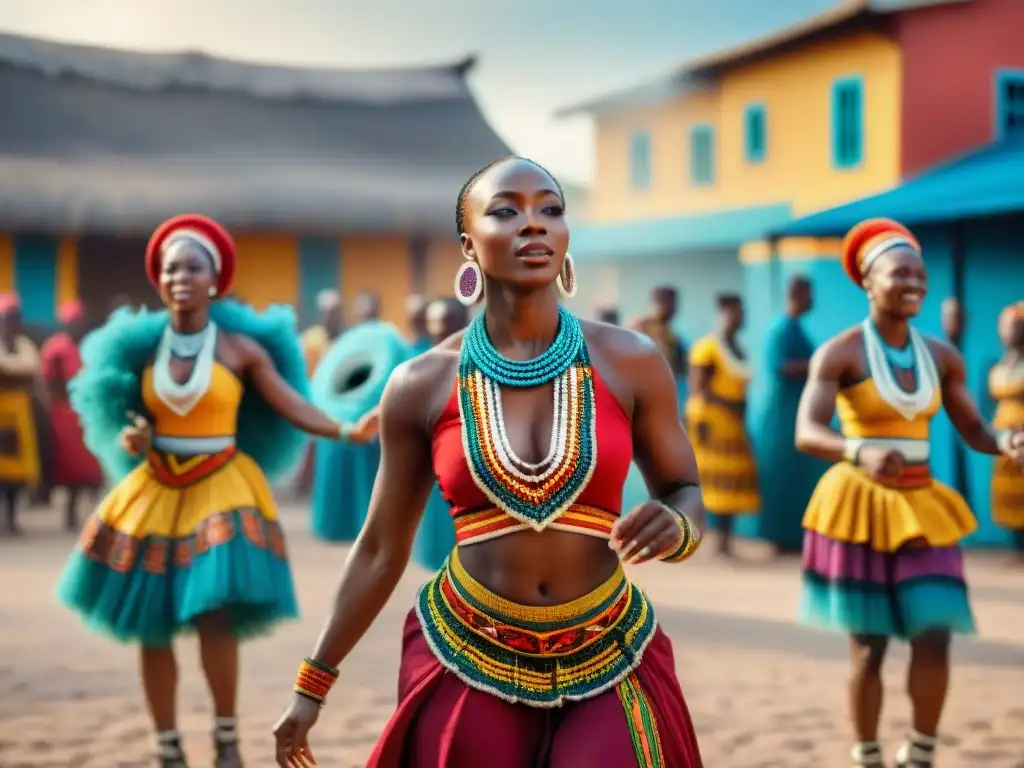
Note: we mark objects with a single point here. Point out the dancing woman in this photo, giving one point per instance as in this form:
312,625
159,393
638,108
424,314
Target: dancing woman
1006,385
881,551
530,646
189,538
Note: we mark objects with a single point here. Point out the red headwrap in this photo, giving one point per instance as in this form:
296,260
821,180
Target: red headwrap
9,302
71,311
211,235
868,240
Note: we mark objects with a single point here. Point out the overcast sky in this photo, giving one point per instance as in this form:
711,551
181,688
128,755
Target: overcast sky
533,58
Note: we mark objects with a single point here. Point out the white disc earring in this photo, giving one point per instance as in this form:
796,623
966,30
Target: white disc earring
566,280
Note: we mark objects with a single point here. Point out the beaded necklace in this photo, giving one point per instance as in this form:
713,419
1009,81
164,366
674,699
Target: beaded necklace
908,403
535,493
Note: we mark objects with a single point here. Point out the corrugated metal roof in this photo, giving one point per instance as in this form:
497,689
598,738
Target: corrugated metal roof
158,71
984,183
92,146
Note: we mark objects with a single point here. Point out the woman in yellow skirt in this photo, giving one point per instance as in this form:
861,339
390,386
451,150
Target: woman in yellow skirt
716,413
20,367
190,410
1006,385
881,549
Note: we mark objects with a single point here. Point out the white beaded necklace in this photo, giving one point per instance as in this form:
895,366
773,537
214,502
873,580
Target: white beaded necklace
907,404
524,470
182,398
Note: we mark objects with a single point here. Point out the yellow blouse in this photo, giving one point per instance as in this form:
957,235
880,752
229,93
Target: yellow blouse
863,413
730,377
215,415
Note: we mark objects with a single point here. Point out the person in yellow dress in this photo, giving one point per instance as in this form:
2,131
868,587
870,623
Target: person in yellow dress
1006,385
716,413
882,555
191,410
20,368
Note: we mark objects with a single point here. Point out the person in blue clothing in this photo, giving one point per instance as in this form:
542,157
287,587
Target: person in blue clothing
787,476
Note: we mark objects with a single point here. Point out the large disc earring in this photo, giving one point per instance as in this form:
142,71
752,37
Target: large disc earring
469,283
566,280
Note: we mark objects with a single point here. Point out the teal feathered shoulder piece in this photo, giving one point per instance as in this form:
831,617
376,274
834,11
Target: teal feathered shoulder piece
110,383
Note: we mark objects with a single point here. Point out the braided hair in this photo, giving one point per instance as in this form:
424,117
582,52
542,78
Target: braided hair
460,203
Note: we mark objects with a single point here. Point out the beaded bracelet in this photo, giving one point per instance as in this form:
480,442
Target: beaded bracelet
689,538
1003,438
314,680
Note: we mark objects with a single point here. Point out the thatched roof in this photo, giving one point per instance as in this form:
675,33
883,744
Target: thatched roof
97,140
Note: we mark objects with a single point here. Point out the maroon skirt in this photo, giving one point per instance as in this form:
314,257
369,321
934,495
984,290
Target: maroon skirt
476,689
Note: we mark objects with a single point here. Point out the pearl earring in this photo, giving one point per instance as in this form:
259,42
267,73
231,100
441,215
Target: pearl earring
212,292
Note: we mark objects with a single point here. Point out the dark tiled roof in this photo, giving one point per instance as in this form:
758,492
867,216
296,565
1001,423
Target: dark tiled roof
112,140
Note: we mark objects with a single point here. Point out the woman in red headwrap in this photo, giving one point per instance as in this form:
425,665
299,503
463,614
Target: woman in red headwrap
881,550
75,468
191,410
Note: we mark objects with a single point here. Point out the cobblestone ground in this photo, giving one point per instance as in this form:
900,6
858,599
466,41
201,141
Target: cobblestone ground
763,692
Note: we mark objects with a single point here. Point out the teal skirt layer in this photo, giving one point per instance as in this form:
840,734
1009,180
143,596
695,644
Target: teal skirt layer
853,589
146,591
342,485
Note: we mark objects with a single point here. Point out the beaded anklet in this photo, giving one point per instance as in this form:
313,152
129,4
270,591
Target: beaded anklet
314,680
689,540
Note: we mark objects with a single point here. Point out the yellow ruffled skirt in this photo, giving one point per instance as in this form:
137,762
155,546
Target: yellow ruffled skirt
178,538
849,506
725,459
885,561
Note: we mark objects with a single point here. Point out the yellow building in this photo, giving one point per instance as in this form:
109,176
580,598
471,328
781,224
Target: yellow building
327,178
735,144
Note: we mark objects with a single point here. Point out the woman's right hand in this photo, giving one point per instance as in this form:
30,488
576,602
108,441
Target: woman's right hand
137,436
291,733
880,463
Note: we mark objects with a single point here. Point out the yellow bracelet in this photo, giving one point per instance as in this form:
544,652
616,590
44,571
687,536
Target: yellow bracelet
689,539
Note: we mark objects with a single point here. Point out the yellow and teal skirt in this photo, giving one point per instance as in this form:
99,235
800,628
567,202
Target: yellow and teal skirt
885,559
178,538
1008,494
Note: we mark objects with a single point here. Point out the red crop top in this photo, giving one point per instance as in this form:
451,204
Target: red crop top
595,510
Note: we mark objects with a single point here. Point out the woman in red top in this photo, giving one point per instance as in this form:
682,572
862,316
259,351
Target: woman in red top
530,647
75,468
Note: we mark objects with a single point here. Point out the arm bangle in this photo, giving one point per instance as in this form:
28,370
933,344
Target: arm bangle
689,538
852,451
1003,438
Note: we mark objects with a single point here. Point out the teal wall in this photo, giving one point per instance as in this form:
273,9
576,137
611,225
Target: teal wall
35,278
319,269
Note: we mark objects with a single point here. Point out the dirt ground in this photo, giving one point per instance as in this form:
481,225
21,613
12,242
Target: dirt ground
764,692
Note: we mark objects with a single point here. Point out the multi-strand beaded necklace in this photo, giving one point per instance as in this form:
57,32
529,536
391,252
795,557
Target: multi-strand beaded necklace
533,493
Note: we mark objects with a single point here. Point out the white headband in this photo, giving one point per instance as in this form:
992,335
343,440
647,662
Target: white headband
888,244
180,237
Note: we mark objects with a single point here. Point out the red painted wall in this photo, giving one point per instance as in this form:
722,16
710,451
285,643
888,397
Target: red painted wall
950,57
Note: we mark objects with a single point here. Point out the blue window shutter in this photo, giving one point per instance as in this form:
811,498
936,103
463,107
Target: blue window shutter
319,270
1009,103
702,154
756,133
640,160
35,278
847,122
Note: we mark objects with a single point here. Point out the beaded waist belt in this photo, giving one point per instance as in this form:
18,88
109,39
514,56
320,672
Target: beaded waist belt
916,470
485,524
538,656
180,471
